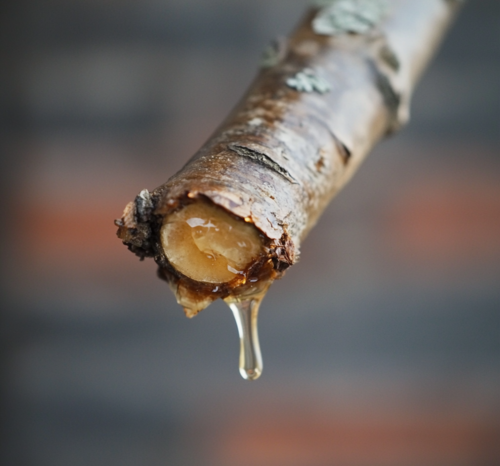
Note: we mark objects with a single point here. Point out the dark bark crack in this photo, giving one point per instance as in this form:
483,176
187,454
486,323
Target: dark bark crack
391,98
262,159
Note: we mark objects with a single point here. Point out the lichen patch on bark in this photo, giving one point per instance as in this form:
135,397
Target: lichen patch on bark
308,80
349,16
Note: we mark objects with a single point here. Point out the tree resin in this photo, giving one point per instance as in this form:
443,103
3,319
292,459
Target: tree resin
207,244
246,313
234,217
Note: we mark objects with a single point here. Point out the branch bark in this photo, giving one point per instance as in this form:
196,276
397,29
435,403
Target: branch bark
321,101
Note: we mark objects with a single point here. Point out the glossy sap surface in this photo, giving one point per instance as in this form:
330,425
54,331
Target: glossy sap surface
207,244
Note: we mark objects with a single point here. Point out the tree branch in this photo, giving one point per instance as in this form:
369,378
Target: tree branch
321,101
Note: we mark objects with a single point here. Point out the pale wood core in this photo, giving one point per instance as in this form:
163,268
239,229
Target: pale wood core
207,244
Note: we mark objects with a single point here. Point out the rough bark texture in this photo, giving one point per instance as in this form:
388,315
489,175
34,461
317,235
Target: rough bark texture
322,99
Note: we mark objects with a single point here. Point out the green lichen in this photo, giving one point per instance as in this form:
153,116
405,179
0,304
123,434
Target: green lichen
308,81
348,16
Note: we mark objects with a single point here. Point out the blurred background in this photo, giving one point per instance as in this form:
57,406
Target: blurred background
381,347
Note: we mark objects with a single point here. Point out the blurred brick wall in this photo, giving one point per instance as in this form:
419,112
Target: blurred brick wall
381,347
